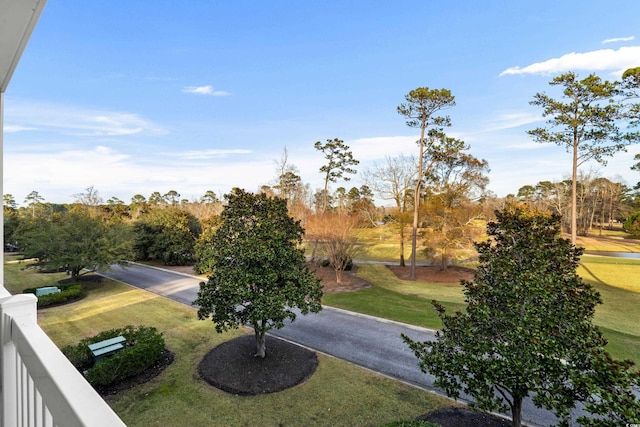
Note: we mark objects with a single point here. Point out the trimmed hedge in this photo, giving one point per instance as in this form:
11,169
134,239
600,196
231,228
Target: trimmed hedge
143,348
68,292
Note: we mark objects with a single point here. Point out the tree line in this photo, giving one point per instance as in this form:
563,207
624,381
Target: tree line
439,197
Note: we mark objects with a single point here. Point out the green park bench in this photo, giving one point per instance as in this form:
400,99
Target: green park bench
106,348
47,290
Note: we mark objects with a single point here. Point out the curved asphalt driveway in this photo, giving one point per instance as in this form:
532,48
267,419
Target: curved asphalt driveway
366,341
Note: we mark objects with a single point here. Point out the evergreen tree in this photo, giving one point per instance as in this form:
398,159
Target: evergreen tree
527,330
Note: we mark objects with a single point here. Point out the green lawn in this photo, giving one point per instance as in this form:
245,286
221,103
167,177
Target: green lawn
617,280
382,243
339,393
400,300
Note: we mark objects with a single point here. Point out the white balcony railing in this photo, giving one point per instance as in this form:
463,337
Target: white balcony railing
40,387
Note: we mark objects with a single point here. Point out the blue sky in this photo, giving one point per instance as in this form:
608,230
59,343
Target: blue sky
142,96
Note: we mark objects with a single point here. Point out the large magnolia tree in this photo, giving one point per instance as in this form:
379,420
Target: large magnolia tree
527,330
259,274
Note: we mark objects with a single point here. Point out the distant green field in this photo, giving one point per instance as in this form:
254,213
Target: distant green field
382,243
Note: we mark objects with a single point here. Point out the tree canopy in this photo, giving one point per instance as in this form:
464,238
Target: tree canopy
167,234
339,161
259,274
584,121
454,179
74,240
527,330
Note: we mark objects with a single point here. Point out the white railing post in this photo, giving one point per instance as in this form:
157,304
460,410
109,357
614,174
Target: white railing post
40,387
18,307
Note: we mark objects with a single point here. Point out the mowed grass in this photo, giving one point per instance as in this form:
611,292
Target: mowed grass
382,243
617,280
18,276
339,393
400,300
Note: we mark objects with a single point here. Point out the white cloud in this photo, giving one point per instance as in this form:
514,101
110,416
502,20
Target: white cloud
509,120
597,60
379,147
208,154
70,120
619,39
17,128
205,90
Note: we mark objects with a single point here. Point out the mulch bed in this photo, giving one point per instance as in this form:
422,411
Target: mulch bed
232,367
460,417
349,281
433,274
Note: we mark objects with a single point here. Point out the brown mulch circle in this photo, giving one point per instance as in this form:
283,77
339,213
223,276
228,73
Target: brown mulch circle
83,279
148,374
433,274
461,417
349,281
231,366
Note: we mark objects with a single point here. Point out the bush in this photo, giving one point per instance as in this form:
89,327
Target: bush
68,292
632,224
143,348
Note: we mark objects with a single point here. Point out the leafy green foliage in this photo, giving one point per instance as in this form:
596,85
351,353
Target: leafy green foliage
68,292
339,161
259,275
204,255
167,234
73,240
144,347
527,329
632,224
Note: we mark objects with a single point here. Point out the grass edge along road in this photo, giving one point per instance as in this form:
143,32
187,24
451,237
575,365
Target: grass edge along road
617,280
339,393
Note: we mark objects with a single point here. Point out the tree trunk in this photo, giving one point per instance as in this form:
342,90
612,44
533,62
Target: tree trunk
416,206
261,348
516,412
574,188
326,188
313,252
402,263
414,233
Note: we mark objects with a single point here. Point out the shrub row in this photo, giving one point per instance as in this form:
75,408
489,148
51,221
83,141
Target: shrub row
68,292
143,348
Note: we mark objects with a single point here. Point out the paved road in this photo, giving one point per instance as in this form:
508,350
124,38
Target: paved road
369,342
